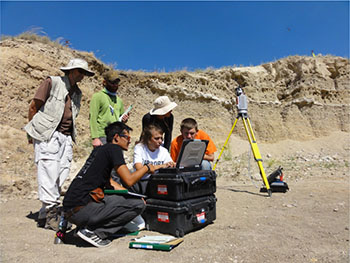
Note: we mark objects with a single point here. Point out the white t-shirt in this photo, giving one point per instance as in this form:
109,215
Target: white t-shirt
144,156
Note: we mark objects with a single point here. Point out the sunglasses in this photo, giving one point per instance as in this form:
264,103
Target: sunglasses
128,137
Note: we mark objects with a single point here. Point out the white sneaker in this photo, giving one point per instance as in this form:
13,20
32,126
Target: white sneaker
136,224
92,238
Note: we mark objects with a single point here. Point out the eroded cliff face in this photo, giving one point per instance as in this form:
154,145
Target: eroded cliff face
297,98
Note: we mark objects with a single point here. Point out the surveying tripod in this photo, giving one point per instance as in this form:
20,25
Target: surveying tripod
242,106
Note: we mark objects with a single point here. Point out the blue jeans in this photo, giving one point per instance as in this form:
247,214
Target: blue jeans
206,165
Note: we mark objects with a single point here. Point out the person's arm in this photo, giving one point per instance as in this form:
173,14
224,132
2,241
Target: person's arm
94,109
115,185
131,178
211,149
39,100
40,97
174,149
139,166
209,157
96,142
167,129
34,107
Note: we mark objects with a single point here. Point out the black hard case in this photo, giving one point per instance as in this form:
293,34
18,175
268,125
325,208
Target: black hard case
179,218
182,185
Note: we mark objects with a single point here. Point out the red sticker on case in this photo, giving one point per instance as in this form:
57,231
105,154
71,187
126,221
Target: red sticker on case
163,217
162,189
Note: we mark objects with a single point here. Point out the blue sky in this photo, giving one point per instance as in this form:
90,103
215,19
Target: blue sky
169,36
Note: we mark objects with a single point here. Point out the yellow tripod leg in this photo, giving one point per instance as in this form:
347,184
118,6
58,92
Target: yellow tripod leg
228,137
249,130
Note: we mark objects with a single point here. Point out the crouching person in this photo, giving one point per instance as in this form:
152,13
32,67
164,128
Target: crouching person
96,215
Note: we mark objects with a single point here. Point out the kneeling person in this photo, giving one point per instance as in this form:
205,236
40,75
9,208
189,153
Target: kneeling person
189,130
97,220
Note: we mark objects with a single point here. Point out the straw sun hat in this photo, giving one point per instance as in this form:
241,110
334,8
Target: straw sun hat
162,105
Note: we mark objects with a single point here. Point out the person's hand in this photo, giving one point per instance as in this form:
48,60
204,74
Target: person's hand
165,165
30,139
125,117
96,142
169,164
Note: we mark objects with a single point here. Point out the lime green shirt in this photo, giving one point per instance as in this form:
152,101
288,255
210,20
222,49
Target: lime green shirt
104,109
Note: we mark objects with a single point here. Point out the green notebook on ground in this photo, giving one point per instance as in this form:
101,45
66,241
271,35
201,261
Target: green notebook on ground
165,243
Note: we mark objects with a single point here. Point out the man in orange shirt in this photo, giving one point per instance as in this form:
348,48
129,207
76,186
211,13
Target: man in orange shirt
189,130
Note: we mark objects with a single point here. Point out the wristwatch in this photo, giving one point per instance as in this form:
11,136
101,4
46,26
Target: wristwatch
149,168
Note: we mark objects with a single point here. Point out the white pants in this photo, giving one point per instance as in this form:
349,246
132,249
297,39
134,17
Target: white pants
53,160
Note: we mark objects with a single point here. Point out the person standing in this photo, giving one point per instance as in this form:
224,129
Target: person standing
51,128
161,115
105,108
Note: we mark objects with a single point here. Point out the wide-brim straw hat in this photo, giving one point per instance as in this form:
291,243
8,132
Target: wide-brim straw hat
162,105
78,63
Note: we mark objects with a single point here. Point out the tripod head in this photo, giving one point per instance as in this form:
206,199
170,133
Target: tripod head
241,102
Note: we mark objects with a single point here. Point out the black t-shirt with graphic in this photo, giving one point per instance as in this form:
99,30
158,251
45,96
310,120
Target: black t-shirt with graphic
95,173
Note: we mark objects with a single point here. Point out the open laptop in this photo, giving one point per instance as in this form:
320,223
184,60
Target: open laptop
190,156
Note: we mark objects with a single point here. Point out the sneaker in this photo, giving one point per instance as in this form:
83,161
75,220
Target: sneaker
41,222
52,219
137,224
92,238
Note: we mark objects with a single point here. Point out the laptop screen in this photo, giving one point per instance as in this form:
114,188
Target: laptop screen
191,153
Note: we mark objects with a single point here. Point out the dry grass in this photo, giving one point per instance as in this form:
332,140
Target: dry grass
38,35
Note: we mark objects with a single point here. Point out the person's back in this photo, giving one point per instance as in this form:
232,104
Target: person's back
94,174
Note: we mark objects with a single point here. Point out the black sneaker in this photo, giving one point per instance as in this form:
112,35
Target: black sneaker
92,238
41,222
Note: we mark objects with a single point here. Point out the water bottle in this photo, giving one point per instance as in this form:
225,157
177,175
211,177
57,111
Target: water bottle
62,227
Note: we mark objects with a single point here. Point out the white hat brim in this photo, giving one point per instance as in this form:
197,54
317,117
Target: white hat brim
164,110
88,72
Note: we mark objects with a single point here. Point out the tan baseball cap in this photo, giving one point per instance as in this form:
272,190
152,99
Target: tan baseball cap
111,76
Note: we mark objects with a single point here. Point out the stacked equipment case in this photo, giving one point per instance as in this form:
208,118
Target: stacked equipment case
180,201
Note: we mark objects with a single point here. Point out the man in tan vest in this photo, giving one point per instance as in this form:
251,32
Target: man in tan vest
51,129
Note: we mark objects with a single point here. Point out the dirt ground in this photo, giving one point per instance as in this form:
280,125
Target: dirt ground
310,223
